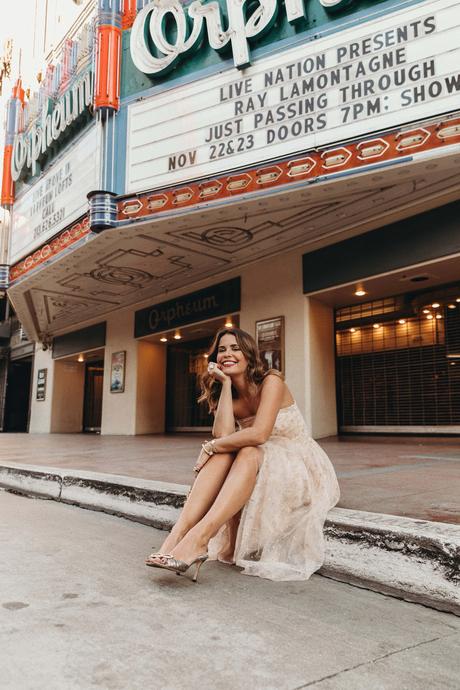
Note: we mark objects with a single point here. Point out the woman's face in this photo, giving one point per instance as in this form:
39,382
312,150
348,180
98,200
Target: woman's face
229,356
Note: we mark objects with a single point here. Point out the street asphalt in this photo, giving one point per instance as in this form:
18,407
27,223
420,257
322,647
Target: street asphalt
80,611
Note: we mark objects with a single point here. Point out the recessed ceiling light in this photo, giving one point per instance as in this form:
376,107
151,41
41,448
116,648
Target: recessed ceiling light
452,306
163,340
376,325
435,305
177,335
360,292
426,311
352,330
402,321
439,316
429,316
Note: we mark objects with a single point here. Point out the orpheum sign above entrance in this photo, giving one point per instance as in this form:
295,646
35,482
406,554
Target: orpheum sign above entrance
380,74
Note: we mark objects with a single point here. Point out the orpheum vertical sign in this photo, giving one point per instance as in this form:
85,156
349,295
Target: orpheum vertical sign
376,75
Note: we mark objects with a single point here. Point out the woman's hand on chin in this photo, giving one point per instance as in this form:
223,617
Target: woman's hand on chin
216,372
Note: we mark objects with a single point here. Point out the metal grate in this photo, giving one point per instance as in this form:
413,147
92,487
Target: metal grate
397,370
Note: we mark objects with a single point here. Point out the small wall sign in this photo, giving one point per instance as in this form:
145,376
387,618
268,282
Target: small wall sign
270,341
41,384
117,373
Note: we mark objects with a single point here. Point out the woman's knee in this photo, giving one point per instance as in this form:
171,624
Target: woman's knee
249,455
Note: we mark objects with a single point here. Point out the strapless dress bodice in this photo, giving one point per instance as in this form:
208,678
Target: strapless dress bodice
289,423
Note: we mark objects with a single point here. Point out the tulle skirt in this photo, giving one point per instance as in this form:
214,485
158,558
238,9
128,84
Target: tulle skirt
280,534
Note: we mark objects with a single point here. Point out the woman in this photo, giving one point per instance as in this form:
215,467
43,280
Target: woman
262,491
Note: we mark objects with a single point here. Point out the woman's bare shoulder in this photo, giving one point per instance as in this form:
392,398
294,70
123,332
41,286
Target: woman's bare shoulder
274,379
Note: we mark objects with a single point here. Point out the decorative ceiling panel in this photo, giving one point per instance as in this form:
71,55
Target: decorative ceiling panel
144,260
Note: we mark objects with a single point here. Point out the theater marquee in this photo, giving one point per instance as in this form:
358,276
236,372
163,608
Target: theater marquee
402,68
57,199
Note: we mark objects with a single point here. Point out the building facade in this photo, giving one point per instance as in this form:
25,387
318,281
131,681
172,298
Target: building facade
289,167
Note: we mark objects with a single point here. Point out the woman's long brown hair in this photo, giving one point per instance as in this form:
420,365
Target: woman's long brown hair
255,373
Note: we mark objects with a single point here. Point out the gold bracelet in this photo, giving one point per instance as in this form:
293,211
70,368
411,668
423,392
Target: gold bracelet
208,447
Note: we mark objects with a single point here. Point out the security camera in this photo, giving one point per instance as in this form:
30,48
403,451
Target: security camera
44,347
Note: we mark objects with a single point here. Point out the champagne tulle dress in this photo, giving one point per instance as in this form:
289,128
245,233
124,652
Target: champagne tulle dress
280,534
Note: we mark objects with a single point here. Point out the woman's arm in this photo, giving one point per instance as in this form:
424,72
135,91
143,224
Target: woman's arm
224,419
273,390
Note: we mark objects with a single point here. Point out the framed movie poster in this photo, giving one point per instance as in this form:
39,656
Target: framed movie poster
41,384
270,340
117,372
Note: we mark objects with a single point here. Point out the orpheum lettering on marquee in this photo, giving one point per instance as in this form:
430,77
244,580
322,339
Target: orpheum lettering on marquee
153,51
29,147
217,300
383,73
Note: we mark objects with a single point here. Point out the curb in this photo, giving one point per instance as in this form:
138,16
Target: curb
415,560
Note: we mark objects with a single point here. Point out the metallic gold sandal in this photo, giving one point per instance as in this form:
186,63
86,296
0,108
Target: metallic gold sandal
179,567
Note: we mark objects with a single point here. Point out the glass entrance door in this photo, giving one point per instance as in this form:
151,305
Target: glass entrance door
185,362
92,410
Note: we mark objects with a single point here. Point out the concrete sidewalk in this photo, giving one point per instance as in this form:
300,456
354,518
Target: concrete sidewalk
412,477
80,610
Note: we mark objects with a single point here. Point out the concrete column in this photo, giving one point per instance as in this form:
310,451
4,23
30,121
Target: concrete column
321,368
119,409
140,409
41,410
274,288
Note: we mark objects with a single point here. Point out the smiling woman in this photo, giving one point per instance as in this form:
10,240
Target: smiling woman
263,489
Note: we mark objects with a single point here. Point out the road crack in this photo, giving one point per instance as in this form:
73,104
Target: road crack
366,663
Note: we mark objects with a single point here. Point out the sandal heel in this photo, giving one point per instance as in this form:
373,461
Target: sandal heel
197,570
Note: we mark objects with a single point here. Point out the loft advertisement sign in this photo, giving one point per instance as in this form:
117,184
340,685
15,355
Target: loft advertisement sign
380,74
57,199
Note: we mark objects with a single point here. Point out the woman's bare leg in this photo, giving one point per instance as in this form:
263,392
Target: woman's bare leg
234,494
207,485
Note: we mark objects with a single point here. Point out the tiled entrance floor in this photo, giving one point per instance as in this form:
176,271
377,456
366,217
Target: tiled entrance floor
412,476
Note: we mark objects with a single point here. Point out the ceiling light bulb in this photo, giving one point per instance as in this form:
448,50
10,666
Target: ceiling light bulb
458,299
429,316
452,306
177,336
206,356
426,311
352,330
163,340
376,325
439,316
228,324
80,358
360,292
435,305
402,321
